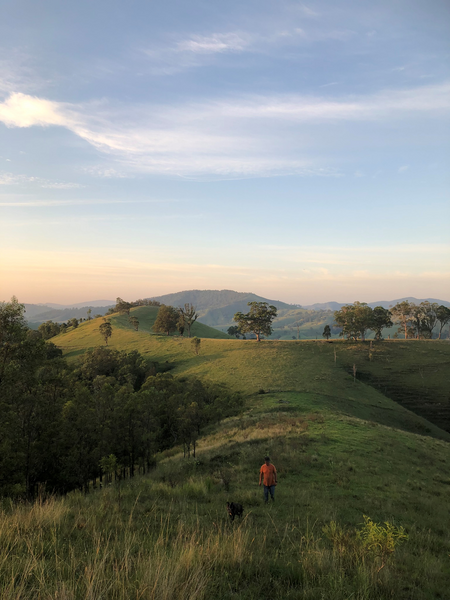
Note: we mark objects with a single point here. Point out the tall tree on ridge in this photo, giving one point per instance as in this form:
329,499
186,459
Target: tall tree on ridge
188,316
355,320
428,317
258,320
381,318
106,331
326,332
402,313
443,316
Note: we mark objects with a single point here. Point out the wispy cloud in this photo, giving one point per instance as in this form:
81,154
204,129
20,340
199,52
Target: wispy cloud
238,137
170,57
80,202
195,50
216,43
18,70
309,12
106,172
12,179
403,169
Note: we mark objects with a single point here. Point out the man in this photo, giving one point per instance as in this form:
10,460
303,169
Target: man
269,473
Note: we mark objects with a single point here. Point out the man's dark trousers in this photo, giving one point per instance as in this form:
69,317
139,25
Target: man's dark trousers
267,489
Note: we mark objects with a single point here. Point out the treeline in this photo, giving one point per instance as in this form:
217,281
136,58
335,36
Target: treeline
415,320
122,306
60,424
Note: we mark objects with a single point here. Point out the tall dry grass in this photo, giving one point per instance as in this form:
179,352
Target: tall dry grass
49,551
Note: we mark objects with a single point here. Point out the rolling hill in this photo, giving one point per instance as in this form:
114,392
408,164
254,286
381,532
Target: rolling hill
343,449
414,374
124,336
217,308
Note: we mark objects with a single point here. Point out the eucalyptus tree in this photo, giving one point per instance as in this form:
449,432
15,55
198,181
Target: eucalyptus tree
106,331
188,316
443,317
134,322
355,320
258,320
166,320
326,332
380,318
403,314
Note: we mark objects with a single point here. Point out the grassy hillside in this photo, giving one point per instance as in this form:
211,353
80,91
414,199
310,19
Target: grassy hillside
124,337
415,374
342,449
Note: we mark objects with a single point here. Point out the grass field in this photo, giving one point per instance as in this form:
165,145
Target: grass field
125,337
342,448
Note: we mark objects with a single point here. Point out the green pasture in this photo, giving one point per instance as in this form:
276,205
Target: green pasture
343,449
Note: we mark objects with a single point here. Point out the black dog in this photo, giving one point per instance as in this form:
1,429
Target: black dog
234,509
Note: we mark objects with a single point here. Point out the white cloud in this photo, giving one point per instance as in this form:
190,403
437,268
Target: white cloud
22,110
403,168
8,179
240,137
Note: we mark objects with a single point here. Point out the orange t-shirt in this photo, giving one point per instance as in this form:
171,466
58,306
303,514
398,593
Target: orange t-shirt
269,473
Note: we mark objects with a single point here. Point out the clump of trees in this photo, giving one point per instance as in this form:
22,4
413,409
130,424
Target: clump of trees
414,320
49,329
170,319
124,307
419,320
258,320
355,319
59,421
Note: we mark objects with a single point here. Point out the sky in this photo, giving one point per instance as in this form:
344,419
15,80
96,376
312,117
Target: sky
296,150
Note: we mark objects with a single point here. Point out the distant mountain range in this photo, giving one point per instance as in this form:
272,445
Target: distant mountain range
39,313
215,307
90,303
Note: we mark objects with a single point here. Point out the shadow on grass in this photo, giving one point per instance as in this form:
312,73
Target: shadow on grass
387,416
74,353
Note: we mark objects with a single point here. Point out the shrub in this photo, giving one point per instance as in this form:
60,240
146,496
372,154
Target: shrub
371,545
195,345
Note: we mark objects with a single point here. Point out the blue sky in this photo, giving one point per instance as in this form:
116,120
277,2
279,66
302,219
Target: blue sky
296,150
